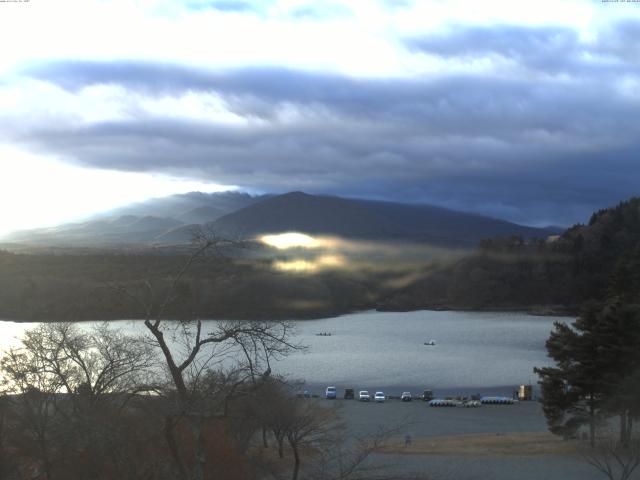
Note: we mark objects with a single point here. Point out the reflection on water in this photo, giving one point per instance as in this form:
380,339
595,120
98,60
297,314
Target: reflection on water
386,350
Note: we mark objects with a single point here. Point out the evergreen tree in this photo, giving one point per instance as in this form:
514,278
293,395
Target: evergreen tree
620,334
597,364
572,392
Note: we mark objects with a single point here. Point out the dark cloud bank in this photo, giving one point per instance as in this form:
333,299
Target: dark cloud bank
548,144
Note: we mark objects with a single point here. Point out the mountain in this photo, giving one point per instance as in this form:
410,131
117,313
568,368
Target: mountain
171,220
127,229
193,207
203,214
139,223
364,219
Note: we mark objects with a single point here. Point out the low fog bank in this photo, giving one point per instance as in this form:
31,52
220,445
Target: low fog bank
258,282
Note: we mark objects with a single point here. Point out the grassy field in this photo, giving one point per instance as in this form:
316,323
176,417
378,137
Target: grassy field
492,442
481,444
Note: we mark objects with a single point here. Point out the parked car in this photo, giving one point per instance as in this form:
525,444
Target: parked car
379,397
348,394
406,397
427,396
363,396
330,393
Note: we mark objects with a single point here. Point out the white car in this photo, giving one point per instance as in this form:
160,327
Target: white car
379,397
363,396
406,396
331,392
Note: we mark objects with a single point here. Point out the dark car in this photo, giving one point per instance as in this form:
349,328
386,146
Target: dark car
348,394
427,396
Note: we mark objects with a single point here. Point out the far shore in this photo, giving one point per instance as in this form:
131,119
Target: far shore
534,312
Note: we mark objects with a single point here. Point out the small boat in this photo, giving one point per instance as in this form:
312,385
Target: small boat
323,334
430,342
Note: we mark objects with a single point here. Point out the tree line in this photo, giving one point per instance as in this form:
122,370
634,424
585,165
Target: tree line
596,376
557,274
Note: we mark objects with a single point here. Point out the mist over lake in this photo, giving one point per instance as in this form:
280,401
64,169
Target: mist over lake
481,351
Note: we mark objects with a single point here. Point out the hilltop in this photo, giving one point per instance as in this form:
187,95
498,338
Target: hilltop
170,221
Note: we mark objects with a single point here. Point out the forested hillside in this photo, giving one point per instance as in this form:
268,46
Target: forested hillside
543,275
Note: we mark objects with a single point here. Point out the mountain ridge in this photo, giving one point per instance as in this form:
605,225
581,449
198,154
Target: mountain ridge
171,221
367,219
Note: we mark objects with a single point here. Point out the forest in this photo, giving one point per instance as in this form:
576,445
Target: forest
554,275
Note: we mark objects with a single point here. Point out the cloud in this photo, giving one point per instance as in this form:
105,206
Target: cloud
221,5
622,41
545,131
397,4
543,50
322,11
457,105
548,48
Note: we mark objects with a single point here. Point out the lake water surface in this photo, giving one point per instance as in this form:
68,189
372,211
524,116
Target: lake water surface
385,350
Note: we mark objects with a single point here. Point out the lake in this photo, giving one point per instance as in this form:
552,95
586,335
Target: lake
473,351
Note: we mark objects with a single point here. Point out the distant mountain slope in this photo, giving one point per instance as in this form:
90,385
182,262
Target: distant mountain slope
365,219
240,215
140,223
193,207
203,214
128,229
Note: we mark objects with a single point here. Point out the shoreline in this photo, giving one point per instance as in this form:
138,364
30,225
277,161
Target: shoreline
520,311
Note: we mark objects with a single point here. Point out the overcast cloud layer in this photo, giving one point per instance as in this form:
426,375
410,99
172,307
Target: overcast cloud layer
535,123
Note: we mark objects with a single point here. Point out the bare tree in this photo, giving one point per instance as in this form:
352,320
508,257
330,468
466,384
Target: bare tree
318,440
613,458
6,460
67,385
245,348
308,427
64,358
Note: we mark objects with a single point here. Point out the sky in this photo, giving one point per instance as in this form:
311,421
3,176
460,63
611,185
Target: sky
527,111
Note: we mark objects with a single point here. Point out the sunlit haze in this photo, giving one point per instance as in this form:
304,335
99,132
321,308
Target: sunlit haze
37,192
323,262
283,241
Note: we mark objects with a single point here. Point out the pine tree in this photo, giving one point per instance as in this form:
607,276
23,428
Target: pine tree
597,365
619,330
